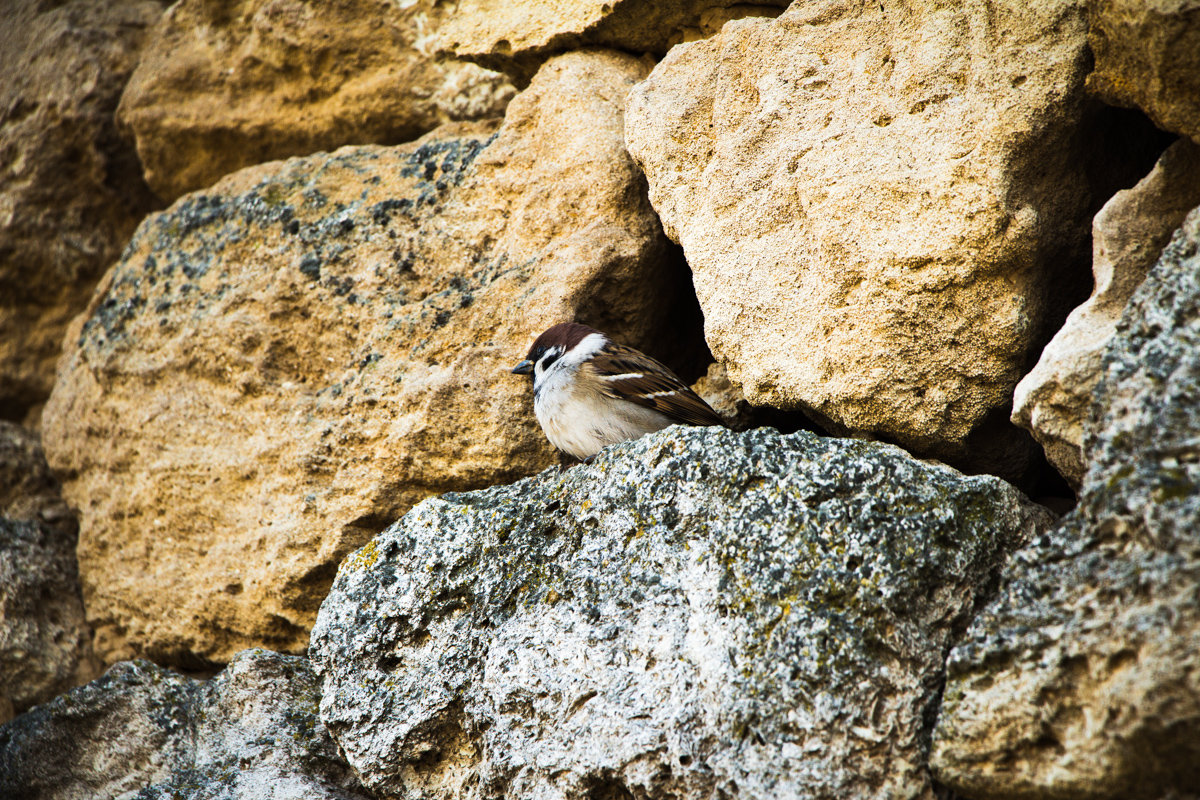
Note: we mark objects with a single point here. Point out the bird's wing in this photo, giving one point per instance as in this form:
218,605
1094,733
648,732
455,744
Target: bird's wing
631,375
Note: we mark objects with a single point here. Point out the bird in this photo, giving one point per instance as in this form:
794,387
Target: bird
589,391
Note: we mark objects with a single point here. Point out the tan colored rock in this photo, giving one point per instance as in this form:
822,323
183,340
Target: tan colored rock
517,37
1054,400
227,85
45,643
71,190
873,198
724,397
281,366
1148,56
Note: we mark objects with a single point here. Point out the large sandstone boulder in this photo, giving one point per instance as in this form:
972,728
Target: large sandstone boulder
518,37
697,614
252,733
280,367
874,198
225,85
45,643
1054,400
1148,56
71,188
1081,679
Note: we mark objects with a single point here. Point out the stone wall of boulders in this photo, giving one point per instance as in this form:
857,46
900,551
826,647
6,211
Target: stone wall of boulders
265,266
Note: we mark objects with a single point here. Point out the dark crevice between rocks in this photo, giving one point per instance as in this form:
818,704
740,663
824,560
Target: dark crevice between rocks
440,743
678,327
609,33
607,788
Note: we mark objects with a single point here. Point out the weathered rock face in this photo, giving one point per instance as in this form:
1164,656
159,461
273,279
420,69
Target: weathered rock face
227,85
142,731
1080,679
1148,56
518,37
697,614
71,190
45,644
872,197
1053,401
280,367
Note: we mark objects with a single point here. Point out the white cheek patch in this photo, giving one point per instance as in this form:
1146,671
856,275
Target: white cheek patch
591,344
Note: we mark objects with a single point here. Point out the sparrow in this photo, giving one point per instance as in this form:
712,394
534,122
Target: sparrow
589,391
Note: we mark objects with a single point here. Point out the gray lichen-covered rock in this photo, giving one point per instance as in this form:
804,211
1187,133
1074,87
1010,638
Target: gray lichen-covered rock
45,643
144,732
698,613
1081,679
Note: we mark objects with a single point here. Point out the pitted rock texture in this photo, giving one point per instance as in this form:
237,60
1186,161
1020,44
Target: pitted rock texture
873,198
1081,678
280,367
143,732
226,85
697,614
1128,235
71,188
45,643
1148,56
518,37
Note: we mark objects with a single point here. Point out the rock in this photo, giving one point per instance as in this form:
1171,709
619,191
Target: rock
874,199
223,88
699,613
1128,234
143,731
1148,56
28,491
280,367
45,643
724,398
71,188
518,37
1080,679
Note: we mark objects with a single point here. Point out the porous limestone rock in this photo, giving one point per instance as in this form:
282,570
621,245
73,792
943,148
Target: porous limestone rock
141,731
224,85
1148,56
71,188
1129,233
280,367
873,198
518,37
45,643
1081,678
699,613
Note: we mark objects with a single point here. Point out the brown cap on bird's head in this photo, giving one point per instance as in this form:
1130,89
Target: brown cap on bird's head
564,335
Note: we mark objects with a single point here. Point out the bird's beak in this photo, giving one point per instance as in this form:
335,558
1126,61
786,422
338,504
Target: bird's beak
524,368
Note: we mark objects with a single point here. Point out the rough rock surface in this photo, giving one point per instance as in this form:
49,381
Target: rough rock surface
280,367
226,85
697,614
518,37
45,643
1081,678
872,197
1148,56
1054,400
71,190
142,731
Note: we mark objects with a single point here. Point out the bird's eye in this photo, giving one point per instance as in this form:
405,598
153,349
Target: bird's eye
550,357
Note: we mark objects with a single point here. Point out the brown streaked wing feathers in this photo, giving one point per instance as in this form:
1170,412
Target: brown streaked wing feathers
683,406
